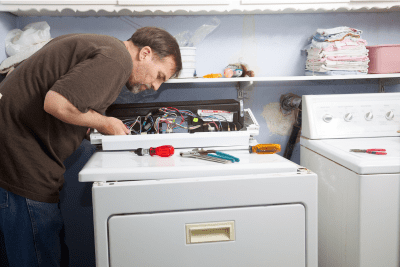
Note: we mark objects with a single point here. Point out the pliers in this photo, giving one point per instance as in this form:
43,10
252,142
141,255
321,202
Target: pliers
196,155
217,154
376,151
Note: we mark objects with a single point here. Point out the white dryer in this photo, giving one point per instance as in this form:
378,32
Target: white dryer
175,211
358,193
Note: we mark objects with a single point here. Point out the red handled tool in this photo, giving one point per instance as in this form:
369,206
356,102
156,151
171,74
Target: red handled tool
162,151
376,151
265,148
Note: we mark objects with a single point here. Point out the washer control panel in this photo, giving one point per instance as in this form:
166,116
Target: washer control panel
351,115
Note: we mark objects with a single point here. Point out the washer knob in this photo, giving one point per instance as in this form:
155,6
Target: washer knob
369,116
389,116
327,118
348,117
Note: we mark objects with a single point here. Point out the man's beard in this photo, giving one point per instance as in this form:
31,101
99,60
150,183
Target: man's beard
135,89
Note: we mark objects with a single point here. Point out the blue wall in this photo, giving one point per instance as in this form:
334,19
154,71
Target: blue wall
271,46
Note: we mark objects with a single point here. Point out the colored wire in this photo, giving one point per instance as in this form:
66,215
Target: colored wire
211,117
169,117
131,125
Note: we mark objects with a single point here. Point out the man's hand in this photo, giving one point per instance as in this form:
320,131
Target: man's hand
58,106
113,126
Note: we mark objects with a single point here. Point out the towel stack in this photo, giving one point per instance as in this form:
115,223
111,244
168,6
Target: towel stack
337,51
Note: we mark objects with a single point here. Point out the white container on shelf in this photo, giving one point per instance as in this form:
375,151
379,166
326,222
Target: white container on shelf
188,51
188,55
188,58
188,65
187,73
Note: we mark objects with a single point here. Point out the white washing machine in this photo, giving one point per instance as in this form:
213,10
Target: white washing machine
175,211
358,193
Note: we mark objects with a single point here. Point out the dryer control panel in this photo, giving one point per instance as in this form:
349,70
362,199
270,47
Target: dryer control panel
185,124
351,115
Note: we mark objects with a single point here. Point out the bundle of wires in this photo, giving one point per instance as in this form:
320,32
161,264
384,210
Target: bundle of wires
169,117
129,123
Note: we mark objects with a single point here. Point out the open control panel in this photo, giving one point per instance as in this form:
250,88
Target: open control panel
181,124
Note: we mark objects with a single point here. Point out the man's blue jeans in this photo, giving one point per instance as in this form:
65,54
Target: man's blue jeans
31,232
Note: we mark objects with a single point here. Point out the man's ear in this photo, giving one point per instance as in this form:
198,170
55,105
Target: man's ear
145,52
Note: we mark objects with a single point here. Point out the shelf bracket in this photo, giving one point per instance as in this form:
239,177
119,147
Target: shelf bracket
381,86
242,87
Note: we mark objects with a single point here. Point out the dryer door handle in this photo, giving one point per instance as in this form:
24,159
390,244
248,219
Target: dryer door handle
210,232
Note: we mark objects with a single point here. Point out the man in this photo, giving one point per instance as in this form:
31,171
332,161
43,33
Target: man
47,105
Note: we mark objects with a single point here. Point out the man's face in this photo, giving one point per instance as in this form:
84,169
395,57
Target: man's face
149,72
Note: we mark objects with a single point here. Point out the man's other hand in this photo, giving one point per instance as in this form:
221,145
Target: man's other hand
113,126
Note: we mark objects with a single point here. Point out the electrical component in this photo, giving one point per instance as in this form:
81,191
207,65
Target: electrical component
173,118
179,132
179,117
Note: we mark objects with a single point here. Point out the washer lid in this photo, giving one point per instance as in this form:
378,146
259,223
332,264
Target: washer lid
338,150
123,165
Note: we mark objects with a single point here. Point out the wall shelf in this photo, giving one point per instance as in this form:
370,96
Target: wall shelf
120,8
244,83
394,76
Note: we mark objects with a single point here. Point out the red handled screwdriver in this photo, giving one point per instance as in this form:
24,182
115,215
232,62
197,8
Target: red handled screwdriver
376,151
162,151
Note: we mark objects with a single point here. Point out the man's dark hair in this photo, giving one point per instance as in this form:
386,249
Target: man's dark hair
161,42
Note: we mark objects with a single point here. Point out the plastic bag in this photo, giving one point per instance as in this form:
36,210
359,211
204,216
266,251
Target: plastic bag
19,57
191,40
19,40
183,38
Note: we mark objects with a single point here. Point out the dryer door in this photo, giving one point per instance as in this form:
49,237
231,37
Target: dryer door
245,236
